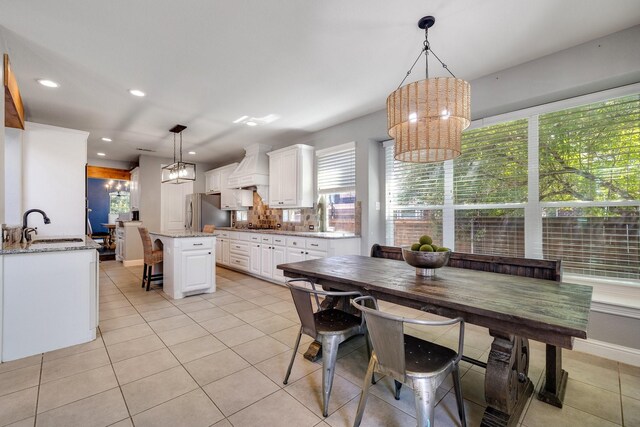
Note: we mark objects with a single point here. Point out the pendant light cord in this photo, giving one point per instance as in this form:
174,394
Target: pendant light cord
426,49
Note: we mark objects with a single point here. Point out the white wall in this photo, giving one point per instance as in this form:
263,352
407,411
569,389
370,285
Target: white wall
13,176
150,190
53,169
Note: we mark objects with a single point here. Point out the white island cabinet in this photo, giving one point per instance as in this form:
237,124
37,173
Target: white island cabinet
188,265
48,296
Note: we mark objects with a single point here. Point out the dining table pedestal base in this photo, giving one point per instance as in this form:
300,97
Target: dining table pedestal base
555,383
507,385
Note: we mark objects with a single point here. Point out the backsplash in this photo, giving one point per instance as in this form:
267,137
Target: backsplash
261,216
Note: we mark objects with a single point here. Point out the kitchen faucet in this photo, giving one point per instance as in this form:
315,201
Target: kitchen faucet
26,230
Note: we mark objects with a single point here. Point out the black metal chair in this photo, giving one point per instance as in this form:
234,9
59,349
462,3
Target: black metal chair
409,360
328,326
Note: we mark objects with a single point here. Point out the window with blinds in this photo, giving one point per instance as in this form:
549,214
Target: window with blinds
590,187
588,178
591,153
336,168
414,199
490,231
493,165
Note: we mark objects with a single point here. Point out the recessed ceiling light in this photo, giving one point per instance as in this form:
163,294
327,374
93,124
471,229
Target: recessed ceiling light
192,153
101,154
241,119
107,139
257,121
48,83
136,92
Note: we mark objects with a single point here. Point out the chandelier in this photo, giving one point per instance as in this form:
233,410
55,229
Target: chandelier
426,118
178,172
118,188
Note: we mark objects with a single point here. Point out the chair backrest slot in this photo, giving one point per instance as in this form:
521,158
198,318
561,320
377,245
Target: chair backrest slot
302,301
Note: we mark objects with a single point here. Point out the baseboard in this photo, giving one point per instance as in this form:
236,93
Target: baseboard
628,355
133,262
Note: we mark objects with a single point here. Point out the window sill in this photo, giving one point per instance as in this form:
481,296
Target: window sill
613,296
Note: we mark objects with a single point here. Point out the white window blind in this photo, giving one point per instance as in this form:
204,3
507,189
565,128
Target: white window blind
591,153
493,165
415,195
590,187
337,170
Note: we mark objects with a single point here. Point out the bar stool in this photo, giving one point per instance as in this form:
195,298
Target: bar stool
329,326
151,258
409,360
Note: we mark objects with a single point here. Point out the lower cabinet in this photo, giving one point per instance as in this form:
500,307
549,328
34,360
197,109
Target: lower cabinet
278,258
260,254
255,259
266,261
188,264
197,270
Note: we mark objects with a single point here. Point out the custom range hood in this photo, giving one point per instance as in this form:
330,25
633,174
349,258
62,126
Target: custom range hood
253,171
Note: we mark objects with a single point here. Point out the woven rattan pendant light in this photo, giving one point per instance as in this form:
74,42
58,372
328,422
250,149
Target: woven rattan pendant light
426,118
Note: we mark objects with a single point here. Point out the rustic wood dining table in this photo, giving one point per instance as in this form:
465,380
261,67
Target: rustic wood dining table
513,308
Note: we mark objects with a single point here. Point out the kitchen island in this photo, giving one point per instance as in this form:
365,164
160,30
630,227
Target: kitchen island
48,295
188,265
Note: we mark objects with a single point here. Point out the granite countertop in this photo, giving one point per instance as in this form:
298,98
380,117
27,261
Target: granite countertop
316,234
38,245
181,234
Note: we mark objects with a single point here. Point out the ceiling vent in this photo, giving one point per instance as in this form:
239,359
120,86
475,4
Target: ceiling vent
147,150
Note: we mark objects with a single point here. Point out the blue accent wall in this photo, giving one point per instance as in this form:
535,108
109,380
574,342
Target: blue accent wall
98,203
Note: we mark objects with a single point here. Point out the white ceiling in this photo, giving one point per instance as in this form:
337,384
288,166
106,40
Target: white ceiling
315,63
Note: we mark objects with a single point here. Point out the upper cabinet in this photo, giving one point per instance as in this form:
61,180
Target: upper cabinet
291,177
216,180
134,188
236,200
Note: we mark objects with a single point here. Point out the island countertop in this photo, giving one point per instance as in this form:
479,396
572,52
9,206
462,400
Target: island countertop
41,245
181,234
316,234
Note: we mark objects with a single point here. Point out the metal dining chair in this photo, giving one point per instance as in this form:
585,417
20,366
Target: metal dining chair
329,326
421,364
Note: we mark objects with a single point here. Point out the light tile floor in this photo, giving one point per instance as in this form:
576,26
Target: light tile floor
219,359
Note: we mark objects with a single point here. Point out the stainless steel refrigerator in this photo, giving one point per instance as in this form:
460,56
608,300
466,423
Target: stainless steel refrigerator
203,209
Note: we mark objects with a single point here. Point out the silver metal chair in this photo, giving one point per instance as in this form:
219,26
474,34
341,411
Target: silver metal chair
409,360
328,326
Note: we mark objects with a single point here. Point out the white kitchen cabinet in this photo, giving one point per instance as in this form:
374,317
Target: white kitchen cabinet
129,243
255,258
225,252
236,200
197,269
239,254
266,261
291,177
295,255
188,263
216,180
279,256
49,301
219,251
134,188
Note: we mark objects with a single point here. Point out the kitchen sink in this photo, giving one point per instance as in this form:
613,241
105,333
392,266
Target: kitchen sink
58,240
